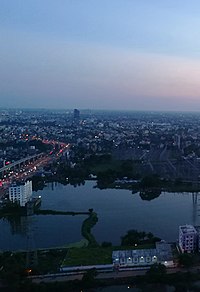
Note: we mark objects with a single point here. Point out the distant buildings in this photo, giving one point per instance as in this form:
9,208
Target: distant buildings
188,238
159,143
20,192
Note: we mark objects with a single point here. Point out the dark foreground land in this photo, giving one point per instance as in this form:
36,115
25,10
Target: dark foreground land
143,280
44,275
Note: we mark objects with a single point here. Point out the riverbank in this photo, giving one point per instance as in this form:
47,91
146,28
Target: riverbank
171,187
134,185
54,212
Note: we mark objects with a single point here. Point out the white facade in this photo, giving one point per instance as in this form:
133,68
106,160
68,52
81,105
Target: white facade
187,238
21,193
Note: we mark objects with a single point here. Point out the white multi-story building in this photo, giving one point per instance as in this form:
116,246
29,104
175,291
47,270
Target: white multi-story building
20,193
188,237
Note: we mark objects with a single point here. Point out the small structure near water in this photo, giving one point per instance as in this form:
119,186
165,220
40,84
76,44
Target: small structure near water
32,205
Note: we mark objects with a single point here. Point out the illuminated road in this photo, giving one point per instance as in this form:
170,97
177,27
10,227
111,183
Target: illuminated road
27,171
18,162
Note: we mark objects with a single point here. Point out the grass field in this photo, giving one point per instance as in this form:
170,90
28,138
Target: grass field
88,256
96,255
79,244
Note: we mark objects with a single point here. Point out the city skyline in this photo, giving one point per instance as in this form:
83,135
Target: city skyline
129,55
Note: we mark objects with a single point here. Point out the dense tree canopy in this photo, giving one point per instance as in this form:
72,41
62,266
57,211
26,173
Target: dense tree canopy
134,237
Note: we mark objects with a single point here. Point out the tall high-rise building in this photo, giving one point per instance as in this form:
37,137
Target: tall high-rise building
177,141
20,192
76,114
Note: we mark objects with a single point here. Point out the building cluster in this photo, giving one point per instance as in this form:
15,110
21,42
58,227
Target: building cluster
165,143
189,238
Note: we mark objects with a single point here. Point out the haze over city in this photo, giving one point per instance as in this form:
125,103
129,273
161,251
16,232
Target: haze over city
136,55
99,145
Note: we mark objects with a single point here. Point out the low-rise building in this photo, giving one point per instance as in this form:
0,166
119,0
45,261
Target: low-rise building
144,257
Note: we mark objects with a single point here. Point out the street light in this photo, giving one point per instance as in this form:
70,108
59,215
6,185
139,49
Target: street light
28,271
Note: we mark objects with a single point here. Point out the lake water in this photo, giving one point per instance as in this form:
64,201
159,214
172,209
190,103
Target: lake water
118,211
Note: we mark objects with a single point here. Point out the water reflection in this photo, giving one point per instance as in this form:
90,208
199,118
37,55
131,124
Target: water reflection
18,224
118,211
196,209
149,195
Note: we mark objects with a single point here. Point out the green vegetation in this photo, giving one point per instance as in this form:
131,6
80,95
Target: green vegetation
88,279
101,163
156,272
187,260
38,183
13,209
86,229
74,175
49,260
150,181
42,147
149,195
134,237
108,170
96,255
79,244
12,266
88,256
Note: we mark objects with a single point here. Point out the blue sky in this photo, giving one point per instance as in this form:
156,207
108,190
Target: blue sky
100,54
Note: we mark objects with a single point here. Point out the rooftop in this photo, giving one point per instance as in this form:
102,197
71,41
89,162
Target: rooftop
187,229
162,251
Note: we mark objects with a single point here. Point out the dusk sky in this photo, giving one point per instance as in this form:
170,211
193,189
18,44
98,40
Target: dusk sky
100,54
